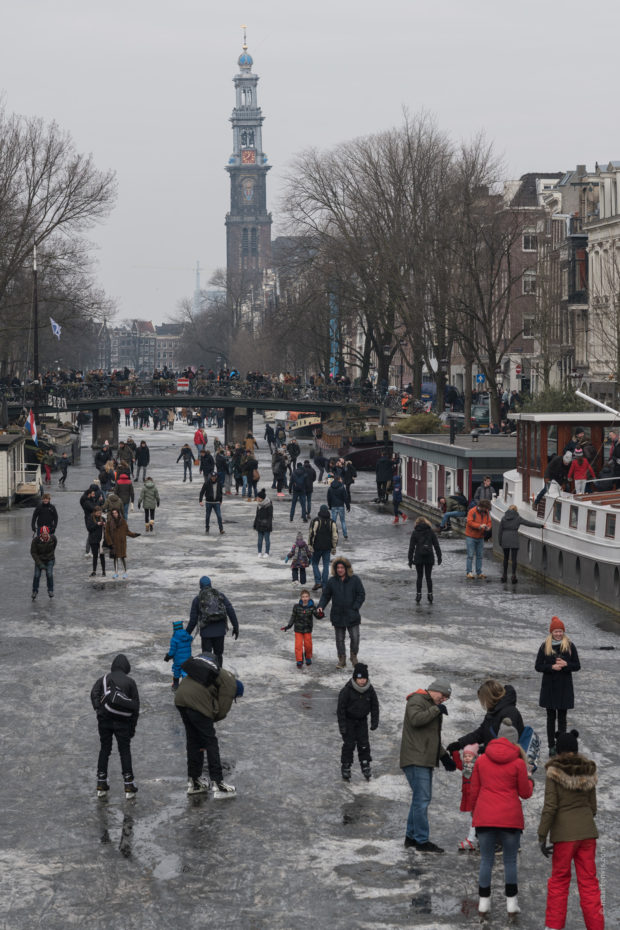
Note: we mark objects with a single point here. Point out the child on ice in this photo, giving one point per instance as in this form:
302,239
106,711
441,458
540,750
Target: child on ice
180,650
466,766
302,615
300,556
356,701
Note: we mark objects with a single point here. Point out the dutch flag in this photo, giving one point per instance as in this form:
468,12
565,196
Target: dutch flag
31,426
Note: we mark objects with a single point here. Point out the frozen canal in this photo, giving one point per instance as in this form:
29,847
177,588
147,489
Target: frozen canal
297,847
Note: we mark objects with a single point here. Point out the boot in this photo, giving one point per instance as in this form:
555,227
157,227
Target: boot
514,579
504,579
102,561
512,903
418,597
345,771
403,517
484,900
430,597
342,662
366,770
354,659
395,521
175,684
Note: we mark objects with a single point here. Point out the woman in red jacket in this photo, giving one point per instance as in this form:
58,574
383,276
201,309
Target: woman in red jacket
500,778
579,471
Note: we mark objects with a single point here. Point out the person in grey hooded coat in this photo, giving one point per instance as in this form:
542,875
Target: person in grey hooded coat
509,538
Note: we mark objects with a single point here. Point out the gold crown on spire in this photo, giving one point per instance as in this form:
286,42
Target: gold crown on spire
245,40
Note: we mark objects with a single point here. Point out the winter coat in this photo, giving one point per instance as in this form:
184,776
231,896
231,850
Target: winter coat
149,495
180,648
310,478
116,533
508,537
301,618
298,479
88,504
498,782
43,552
112,502
247,467
349,474
206,463
483,493
44,515
478,523
569,807
336,494
218,627
102,456
580,469
106,479
346,596
199,438
556,470
397,490
383,469
208,700
457,502
186,454
143,455
124,488
95,530
300,555
421,544
211,491
489,728
466,796
119,673
323,534
355,704
556,688
125,455
263,521
421,738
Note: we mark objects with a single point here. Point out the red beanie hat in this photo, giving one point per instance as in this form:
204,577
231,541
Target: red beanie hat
556,624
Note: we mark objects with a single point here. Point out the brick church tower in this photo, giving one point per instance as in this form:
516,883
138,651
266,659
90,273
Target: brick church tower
248,224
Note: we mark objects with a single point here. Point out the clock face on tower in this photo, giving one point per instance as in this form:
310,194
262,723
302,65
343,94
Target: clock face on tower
248,156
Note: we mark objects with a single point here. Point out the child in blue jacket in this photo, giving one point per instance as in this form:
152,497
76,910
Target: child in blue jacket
180,649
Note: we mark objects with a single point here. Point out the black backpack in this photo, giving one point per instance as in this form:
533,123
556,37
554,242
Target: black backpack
211,607
114,699
425,545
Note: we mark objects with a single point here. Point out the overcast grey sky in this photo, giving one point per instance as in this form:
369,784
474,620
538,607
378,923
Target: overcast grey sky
147,88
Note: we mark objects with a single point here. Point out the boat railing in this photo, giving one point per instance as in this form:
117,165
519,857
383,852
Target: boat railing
29,474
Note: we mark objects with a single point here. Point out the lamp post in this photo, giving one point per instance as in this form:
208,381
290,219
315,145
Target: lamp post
35,334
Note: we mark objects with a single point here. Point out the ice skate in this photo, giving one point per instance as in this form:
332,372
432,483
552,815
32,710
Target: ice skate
130,790
102,788
222,790
345,771
197,786
366,771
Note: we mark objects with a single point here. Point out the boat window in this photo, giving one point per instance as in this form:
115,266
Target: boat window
610,525
591,521
557,512
573,517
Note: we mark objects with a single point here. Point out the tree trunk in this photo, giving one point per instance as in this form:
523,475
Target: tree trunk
467,394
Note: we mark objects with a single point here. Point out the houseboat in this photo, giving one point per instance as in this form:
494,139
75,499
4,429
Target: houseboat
19,482
577,547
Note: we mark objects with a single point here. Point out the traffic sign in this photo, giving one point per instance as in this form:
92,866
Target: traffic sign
480,379
517,370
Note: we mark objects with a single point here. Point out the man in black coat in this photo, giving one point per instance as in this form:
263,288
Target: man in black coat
116,702
143,457
346,593
212,629
212,493
310,479
383,473
356,702
44,514
556,470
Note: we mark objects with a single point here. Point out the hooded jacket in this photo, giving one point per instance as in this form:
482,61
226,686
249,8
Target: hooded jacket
302,615
119,673
498,782
323,534
212,701
346,595
508,536
43,551
263,521
211,491
112,502
421,738
336,494
569,807
149,495
421,544
124,488
88,504
300,554
143,455
489,728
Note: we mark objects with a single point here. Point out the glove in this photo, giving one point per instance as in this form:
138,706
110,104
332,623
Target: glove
139,504
235,634
348,508
410,564
320,613
167,657
439,560
453,747
138,534
157,505
284,628
545,850
448,763
375,726
442,709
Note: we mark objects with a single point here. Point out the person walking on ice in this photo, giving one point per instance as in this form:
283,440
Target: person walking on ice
210,612
346,592
116,702
43,551
149,499
301,619
356,702
179,650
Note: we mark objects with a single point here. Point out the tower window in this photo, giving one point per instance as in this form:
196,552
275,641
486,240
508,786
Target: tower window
254,242
245,243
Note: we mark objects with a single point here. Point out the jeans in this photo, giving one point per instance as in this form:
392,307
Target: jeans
420,779
354,637
201,736
451,513
474,548
48,568
126,510
541,493
301,497
510,841
245,485
187,469
218,513
143,467
252,488
267,539
122,729
339,512
317,556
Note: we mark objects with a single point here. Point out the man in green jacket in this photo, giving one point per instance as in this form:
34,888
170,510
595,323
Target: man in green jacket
204,696
420,752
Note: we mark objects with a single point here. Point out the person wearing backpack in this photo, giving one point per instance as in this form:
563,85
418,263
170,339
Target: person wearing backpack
116,702
203,697
210,612
421,544
297,487
323,539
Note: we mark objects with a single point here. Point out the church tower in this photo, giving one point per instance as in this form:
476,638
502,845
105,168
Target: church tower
248,224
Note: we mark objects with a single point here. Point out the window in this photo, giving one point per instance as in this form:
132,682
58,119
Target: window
591,521
528,326
557,512
529,283
573,517
530,241
610,525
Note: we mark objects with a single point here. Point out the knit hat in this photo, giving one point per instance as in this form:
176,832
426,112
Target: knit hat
442,685
567,458
323,510
205,582
360,671
262,494
567,742
177,624
578,452
239,688
44,532
471,748
508,731
556,624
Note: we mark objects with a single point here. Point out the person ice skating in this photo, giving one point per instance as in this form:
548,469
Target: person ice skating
116,702
143,457
508,538
557,659
421,751
478,528
188,460
301,618
299,557
44,514
149,499
337,503
580,471
263,523
297,487
180,650
210,612
346,592
116,533
211,491
95,524
421,544
203,697
322,539
465,764
568,816
43,550
499,701
63,464
397,499
356,702
48,463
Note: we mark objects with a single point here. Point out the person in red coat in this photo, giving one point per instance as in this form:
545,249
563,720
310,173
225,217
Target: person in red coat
499,780
466,766
579,471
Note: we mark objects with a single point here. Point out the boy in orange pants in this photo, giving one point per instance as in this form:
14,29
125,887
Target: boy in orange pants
301,618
